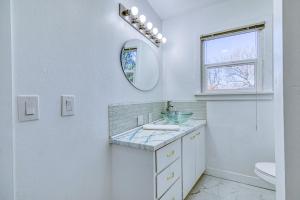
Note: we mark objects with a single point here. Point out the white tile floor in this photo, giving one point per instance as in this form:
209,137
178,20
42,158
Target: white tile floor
212,188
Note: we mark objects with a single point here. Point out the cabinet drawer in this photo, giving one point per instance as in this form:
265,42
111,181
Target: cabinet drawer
174,193
167,155
167,177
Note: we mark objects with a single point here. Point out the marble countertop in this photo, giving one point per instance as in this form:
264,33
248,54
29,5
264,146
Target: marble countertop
152,140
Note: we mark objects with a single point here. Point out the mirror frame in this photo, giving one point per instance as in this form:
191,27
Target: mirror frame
158,79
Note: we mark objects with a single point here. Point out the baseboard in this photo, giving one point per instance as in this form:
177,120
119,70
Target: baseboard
241,178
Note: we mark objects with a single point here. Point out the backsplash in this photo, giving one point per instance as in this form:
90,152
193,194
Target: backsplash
123,117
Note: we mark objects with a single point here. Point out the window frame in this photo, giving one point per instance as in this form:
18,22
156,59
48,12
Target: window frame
130,49
258,64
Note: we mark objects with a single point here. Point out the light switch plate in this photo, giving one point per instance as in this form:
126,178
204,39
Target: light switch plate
28,107
67,105
140,120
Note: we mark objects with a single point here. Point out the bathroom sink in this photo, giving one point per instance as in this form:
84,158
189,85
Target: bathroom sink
176,117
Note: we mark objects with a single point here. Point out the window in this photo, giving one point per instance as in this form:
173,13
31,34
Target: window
231,62
129,59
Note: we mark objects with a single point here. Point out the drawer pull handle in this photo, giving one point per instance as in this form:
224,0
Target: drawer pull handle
171,176
170,154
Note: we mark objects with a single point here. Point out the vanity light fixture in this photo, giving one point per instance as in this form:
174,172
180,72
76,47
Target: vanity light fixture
154,31
132,17
142,20
154,34
159,36
134,11
149,26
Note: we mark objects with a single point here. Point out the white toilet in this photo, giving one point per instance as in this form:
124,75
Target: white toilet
266,171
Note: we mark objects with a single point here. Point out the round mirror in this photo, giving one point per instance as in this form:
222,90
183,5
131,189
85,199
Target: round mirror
140,64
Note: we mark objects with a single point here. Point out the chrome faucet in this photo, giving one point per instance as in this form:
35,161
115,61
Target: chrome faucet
169,106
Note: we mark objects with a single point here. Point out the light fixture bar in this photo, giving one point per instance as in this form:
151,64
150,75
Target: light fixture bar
141,28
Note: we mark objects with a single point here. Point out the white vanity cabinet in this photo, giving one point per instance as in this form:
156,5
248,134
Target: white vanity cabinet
193,159
200,153
166,168
145,175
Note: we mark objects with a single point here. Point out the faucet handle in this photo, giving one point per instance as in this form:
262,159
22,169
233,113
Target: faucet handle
169,105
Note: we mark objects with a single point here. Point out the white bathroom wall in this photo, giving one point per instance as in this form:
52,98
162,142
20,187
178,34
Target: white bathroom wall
278,101
291,97
70,47
234,144
6,136
287,90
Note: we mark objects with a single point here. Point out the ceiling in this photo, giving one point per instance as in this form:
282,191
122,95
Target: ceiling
170,8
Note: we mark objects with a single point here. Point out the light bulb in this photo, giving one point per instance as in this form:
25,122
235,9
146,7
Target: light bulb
159,36
142,19
149,25
134,11
164,40
155,31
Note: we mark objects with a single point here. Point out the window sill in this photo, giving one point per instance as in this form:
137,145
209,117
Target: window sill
241,96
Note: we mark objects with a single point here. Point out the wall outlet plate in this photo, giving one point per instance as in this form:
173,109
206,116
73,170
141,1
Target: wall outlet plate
67,105
140,120
28,107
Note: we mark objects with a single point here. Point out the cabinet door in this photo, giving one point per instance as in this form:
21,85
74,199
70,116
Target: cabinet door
200,153
188,163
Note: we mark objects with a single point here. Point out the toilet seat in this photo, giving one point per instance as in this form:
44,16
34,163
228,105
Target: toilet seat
266,171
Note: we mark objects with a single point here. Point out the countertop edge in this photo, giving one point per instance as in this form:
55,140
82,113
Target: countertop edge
178,136
159,146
